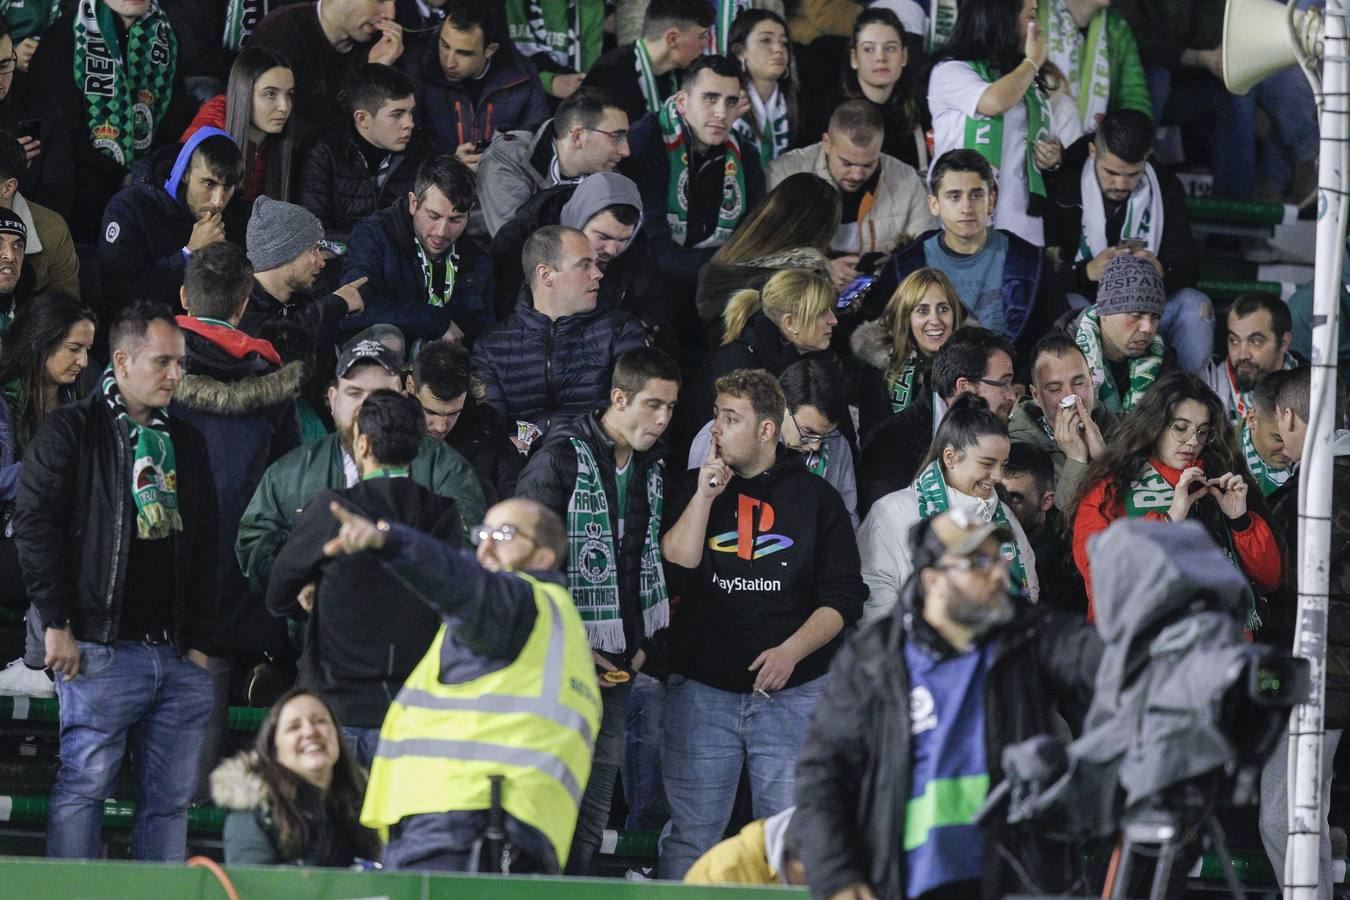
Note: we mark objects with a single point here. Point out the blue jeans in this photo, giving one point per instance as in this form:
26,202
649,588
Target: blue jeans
709,735
161,702
595,802
361,743
641,767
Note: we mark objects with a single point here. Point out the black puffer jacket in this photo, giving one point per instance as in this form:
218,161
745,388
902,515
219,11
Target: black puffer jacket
534,368
853,776
550,476
334,182
75,519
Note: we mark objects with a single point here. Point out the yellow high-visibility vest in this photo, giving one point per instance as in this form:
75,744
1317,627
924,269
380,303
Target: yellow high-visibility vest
534,722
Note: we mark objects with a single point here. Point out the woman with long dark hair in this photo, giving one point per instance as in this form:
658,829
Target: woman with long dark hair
256,110
1173,458
43,356
961,473
988,93
759,42
296,797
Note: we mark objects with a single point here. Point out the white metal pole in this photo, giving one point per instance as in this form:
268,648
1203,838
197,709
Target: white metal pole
1315,487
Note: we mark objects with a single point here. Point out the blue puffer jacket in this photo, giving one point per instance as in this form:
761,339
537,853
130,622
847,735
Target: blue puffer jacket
511,99
382,249
538,369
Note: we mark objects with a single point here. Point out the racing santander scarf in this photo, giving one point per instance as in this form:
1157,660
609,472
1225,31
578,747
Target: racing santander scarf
435,298
931,491
1143,369
985,136
902,385
1085,63
1151,493
154,477
1268,478
551,28
766,128
1238,402
651,88
592,567
941,21
240,18
678,148
126,97
1143,213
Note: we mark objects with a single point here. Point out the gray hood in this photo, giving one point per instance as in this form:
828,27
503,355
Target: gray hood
597,191
1340,443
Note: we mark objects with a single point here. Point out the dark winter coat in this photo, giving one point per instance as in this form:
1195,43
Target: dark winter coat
538,369
892,452
242,400
75,520
333,181
871,347
383,248
853,776
511,99
50,177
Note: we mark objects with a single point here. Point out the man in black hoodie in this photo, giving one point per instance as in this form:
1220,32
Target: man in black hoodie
602,473
366,631
150,229
769,576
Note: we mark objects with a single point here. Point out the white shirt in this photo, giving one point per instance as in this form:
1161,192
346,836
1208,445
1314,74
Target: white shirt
954,93
883,543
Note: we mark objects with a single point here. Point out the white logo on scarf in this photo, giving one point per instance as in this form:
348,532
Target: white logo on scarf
595,561
922,710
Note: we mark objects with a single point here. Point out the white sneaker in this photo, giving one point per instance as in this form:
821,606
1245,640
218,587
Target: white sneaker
17,680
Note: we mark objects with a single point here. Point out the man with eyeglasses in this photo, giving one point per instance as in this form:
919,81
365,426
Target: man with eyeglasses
917,711
507,688
1119,334
604,473
973,361
589,134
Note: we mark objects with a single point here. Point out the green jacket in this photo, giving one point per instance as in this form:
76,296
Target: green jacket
1129,87
547,49
290,482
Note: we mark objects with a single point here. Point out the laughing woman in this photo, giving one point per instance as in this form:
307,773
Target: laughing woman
964,464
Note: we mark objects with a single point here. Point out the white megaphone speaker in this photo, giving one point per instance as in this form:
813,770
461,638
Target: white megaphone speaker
1261,37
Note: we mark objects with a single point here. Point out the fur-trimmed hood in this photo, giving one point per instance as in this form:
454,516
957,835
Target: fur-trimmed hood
250,395
236,784
872,345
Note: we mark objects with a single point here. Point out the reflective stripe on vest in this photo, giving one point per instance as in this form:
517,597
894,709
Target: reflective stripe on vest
513,756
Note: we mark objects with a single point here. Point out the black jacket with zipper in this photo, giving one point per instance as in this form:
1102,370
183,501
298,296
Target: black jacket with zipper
334,182
75,519
549,478
853,776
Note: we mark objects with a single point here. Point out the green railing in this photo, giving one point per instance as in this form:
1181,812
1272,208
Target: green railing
1239,212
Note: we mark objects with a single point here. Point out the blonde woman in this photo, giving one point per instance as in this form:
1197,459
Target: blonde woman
898,349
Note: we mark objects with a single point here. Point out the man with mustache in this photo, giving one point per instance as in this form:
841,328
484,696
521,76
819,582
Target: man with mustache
1259,333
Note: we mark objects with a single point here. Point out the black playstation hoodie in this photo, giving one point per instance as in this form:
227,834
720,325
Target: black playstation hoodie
779,546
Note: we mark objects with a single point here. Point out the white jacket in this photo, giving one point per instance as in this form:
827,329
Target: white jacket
883,542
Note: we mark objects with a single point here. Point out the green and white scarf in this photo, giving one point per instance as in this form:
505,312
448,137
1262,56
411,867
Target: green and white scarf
1268,478
126,97
29,18
985,135
1085,63
1238,402
154,476
766,126
678,148
902,386
592,557
941,21
727,11
434,298
1143,213
647,78
931,490
1151,493
818,461
240,18
1143,369
551,27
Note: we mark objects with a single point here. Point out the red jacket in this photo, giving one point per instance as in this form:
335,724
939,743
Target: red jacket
1253,540
212,114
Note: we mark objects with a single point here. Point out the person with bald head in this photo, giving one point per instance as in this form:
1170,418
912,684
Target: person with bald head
507,688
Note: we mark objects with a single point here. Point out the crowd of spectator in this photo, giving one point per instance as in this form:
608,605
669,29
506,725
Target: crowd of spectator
732,335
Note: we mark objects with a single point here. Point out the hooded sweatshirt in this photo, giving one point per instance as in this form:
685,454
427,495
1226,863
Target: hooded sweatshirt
142,249
780,546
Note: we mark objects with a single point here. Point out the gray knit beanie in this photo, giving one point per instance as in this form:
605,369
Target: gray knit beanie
1130,284
278,232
